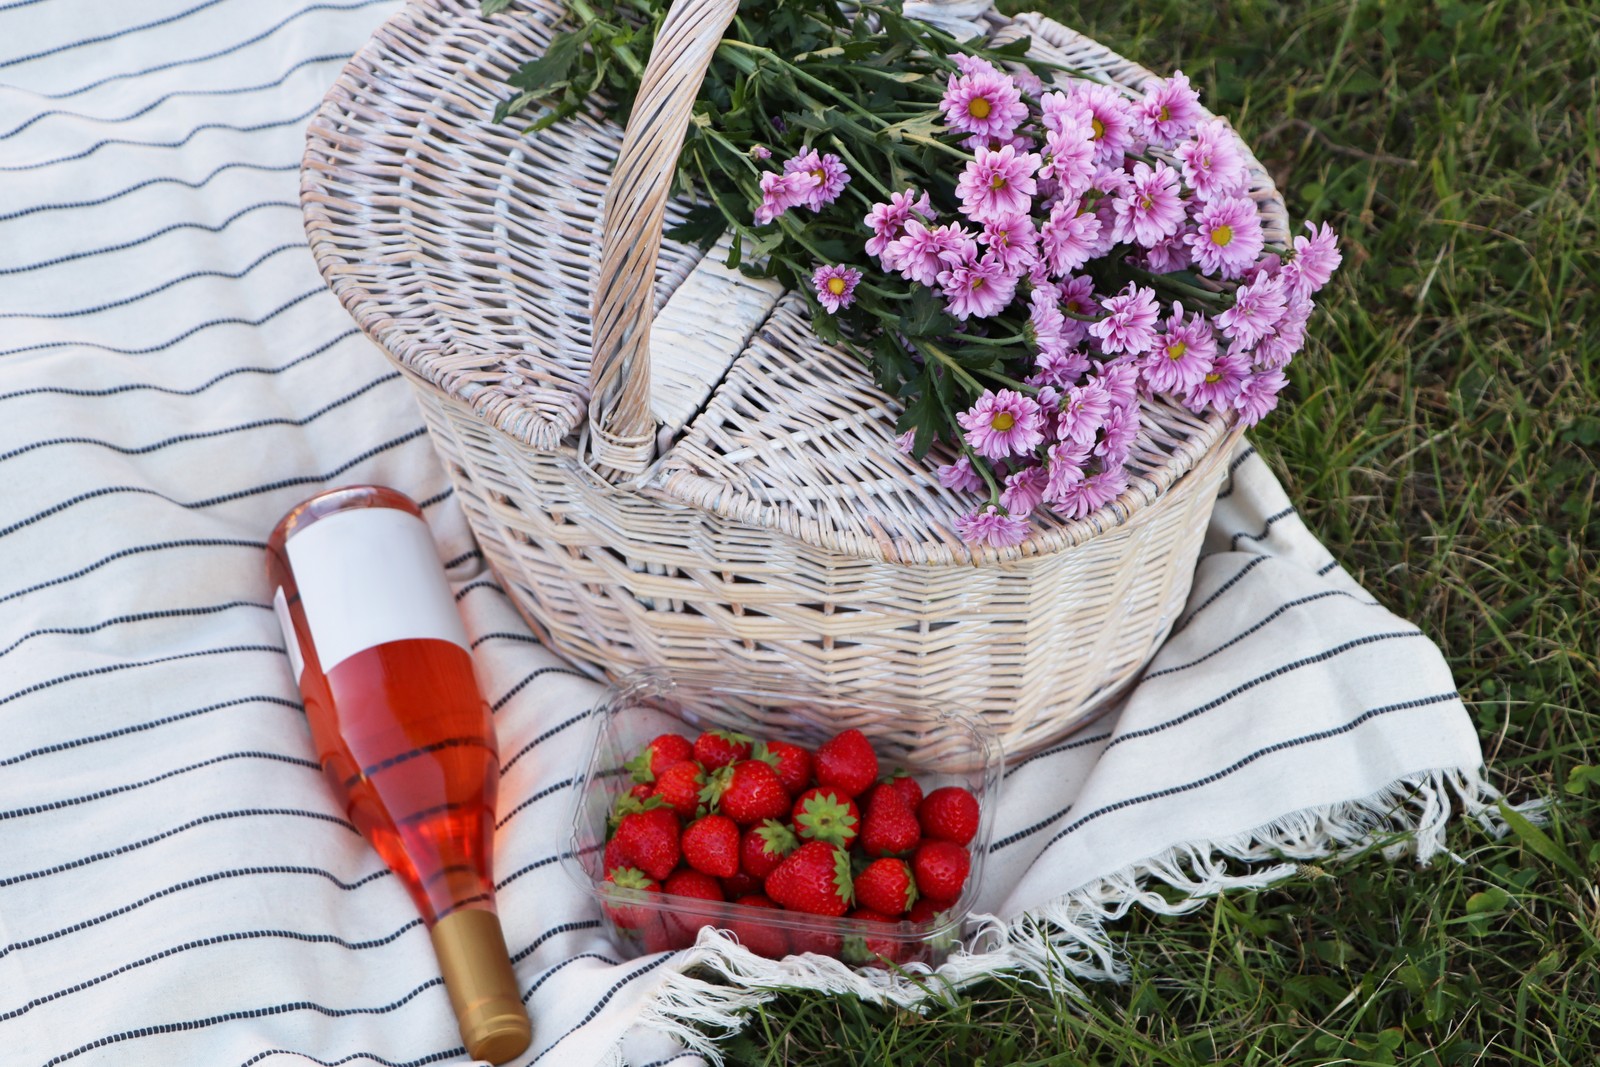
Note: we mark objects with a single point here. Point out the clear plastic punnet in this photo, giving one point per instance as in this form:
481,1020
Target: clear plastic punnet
937,746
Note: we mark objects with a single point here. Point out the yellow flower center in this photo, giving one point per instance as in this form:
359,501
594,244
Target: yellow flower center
836,286
1176,350
1213,378
1222,236
1074,307
1146,203
1003,420
977,283
978,108
1166,114
1099,128
997,182
820,174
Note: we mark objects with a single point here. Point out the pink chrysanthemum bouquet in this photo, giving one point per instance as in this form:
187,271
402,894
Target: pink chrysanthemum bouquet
1020,262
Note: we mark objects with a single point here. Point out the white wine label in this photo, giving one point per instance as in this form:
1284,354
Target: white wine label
368,576
290,642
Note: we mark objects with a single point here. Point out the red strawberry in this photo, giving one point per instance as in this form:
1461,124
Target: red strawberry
847,763
740,885
763,847
792,763
641,791
658,755
718,748
628,914
747,792
906,786
711,845
682,926
627,803
697,884
613,858
886,886
949,814
940,868
650,840
764,939
823,814
927,909
890,826
875,950
814,878
680,786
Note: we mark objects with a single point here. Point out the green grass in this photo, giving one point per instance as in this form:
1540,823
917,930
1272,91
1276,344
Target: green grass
1442,438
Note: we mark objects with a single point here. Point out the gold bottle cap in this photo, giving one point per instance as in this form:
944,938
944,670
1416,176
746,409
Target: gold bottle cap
483,990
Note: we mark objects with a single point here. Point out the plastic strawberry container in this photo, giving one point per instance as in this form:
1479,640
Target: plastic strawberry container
938,746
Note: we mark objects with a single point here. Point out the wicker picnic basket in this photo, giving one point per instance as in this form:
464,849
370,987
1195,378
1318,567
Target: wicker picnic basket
715,489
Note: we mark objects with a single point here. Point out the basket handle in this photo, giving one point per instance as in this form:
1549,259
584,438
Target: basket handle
621,428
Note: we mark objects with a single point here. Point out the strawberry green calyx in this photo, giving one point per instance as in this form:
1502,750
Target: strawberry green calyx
639,767
842,877
627,804
777,839
631,878
826,815
717,783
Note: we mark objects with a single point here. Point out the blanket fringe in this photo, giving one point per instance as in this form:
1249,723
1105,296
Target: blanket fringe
1065,940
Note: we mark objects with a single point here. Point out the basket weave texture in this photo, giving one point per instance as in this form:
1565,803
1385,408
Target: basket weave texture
661,461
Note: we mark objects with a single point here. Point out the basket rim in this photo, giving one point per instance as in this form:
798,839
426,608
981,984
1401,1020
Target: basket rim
526,426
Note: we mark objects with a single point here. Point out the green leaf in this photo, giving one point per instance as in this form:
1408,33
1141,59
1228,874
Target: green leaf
1581,778
1540,842
925,315
549,71
1491,901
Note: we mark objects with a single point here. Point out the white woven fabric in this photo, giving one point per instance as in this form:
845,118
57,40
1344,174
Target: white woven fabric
176,885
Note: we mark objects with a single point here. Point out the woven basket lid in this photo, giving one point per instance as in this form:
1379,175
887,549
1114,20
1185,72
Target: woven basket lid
472,254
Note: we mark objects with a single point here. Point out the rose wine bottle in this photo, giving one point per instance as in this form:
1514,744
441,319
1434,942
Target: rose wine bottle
402,733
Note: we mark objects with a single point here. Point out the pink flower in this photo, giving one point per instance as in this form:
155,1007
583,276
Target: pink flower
1028,82
888,221
1024,490
906,442
836,286
1167,256
1017,141
1070,238
1065,467
1002,424
1182,353
1220,384
1077,298
1258,395
1287,336
977,287
780,192
1227,237
1129,325
1169,111
1091,493
760,151
1012,241
984,102
1212,163
1111,183
922,253
1082,412
828,170
1315,260
1111,119
972,65
1150,209
1256,310
1058,366
1121,379
1117,435
960,476
989,526
1069,153
1045,318
997,183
